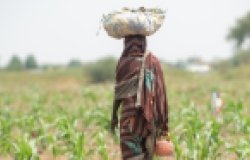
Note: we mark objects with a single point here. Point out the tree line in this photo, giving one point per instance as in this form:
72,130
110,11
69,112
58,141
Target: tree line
16,64
98,71
30,63
104,68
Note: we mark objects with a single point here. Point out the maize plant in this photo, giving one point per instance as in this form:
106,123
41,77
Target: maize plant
62,116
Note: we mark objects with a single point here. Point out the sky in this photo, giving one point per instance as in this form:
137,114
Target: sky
56,31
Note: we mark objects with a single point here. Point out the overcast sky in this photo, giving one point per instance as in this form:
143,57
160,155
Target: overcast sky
56,31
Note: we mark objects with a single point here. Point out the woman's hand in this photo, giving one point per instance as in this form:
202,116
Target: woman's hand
164,133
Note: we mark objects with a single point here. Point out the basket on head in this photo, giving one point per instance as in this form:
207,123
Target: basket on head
142,21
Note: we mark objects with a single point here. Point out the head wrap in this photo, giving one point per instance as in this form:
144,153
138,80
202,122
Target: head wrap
134,45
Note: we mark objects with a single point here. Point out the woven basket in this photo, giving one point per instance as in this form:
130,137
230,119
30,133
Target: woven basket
126,22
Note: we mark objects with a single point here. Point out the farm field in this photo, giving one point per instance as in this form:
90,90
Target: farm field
59,114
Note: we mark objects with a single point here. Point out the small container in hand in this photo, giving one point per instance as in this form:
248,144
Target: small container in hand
164,147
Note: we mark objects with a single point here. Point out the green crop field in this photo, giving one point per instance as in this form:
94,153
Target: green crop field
58,114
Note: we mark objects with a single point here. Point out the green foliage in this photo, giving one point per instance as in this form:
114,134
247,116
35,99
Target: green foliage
15,64
242,57
73,123
74,63
25,149
102,70
241,149
241,31
5,130
78,147
30,62
102,148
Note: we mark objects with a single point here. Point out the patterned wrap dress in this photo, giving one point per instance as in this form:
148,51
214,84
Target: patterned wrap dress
139,125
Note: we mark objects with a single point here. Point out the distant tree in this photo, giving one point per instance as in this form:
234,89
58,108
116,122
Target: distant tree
74,63
101,70
241,58
30,62
191,60
15,64
241,31
180,64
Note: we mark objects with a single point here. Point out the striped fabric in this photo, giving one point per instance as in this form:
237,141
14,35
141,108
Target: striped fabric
138,125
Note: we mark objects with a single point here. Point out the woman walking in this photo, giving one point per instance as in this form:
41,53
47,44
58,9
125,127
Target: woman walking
140,90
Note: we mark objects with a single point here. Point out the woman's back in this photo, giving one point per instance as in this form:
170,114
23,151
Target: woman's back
140,90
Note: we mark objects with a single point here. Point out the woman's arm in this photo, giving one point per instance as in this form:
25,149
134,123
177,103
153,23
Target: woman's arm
161,100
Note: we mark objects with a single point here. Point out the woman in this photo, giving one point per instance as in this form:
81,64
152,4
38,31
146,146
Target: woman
140,89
